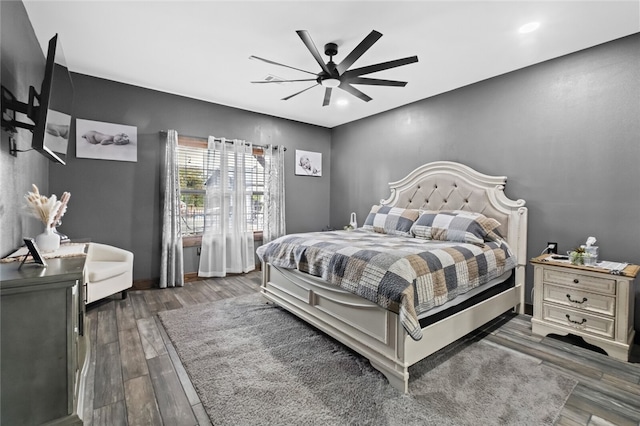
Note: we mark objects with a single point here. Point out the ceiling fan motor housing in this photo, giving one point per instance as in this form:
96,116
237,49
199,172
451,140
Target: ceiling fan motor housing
331,49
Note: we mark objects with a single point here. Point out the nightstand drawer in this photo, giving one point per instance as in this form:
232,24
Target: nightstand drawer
582,300
580,281
579,320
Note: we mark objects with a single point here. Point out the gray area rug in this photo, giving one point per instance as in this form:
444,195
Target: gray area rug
255,364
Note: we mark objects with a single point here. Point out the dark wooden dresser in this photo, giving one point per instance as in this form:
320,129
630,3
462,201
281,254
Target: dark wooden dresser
43,347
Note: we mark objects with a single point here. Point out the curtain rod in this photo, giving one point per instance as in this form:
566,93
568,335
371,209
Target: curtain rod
219,140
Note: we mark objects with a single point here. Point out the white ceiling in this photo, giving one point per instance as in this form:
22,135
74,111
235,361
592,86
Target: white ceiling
201,49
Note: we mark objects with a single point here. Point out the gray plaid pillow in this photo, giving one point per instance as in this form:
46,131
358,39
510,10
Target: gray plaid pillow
457,226
391,220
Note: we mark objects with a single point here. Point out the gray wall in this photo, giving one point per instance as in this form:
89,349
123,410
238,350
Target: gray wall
565,133
118,203
22,66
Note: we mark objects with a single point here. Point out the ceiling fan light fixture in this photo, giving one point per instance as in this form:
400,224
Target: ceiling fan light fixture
330,82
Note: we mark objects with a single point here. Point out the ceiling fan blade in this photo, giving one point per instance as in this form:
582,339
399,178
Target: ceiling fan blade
281,65
327,97
306,39
381,66
297,93
375,81
358,51
355,92
283,81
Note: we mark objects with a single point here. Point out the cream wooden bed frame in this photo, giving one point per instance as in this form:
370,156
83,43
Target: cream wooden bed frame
376,333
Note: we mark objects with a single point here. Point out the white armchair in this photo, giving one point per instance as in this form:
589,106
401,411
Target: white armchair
108,270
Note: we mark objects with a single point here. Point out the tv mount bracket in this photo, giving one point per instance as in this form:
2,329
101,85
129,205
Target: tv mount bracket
10,105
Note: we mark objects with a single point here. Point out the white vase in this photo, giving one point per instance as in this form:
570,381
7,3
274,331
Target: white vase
48,241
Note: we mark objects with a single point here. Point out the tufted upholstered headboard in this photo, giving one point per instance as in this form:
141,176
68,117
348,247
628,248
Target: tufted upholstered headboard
446,185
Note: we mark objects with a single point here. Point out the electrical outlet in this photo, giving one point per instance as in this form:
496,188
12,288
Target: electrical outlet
552,248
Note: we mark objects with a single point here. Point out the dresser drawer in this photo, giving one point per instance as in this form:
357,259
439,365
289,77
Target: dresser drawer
581,300
580,281
579,320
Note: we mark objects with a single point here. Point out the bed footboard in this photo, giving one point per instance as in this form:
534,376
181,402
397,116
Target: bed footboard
361,325
370,330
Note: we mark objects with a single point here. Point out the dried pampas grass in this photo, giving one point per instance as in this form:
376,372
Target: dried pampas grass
49,210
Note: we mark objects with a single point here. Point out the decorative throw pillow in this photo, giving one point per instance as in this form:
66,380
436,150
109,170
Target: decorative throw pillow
457,226
391,220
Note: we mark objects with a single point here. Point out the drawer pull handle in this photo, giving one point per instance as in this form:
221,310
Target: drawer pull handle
576,281
584,299
576,322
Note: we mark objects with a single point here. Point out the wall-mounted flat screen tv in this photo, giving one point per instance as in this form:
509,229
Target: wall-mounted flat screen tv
53,121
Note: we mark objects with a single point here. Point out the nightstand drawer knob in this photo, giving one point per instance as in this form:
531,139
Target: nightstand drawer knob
584,299
576,322
575,280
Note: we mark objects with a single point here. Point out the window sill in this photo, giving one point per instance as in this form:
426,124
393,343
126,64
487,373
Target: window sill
196,240
192,241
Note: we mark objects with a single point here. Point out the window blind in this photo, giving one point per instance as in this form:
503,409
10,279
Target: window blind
198,166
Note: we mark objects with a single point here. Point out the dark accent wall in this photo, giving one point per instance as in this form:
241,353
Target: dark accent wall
565,132
22,66
118,203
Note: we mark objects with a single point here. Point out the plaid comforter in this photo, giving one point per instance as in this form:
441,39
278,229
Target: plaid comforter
404,274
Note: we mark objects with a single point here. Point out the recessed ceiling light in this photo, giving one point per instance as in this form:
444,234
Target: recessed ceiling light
530,27
342,102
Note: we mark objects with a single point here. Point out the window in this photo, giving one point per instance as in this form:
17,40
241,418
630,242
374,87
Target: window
197,165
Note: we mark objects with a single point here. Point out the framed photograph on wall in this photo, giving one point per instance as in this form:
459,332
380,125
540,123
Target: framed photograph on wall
308,163
106,141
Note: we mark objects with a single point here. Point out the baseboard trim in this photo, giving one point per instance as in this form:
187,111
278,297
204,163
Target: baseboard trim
151,283
528,309
191,276
144,284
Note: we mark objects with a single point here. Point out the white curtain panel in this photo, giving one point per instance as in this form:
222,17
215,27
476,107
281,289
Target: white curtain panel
274,218
227,243
171,263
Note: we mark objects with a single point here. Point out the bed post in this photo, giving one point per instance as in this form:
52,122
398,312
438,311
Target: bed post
520,246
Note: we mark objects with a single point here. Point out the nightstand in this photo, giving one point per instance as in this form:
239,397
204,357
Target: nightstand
585,301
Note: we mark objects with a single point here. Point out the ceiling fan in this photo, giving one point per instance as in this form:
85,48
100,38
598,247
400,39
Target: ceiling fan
340,76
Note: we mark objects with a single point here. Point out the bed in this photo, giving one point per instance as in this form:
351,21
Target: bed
389,334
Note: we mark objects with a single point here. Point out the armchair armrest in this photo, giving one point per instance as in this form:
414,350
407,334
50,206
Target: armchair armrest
103,252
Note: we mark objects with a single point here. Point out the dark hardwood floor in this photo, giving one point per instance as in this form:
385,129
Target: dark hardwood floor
136,378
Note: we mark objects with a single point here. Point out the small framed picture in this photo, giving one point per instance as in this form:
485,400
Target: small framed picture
34,252
308,163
